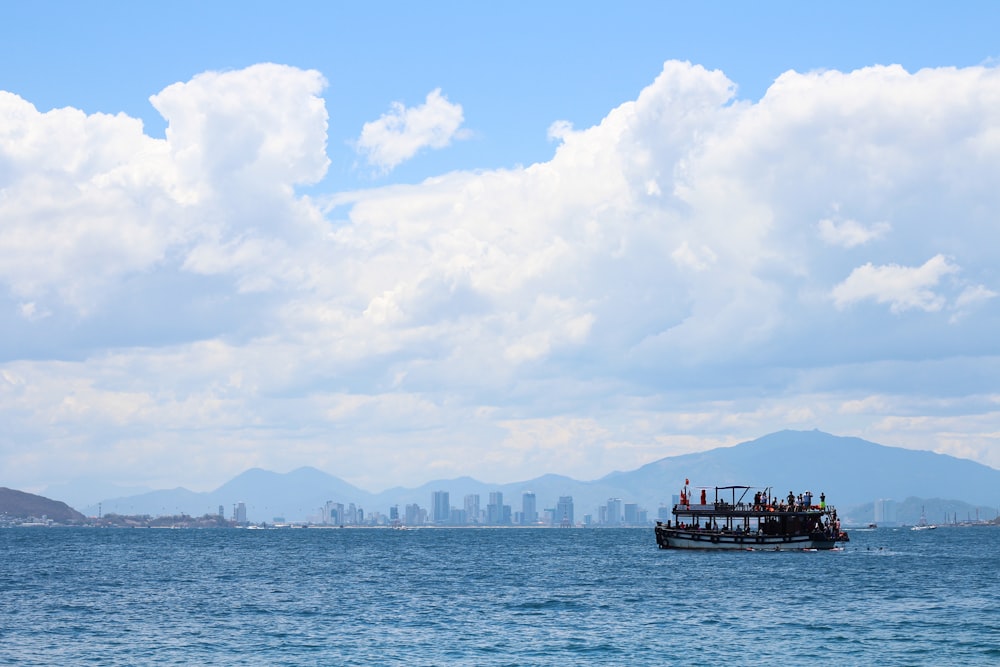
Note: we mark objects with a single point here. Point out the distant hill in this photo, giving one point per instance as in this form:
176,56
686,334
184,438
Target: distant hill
851,472
23,505
86,492
267,495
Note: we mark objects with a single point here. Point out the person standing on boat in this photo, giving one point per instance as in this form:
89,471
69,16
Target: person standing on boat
822,501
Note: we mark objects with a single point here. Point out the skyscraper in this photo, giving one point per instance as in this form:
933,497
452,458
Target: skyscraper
614,511
564,511
529,515
472,508
415,515
331,513
494,510
631,513
440,507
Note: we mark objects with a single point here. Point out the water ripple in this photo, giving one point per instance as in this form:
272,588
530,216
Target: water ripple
490,597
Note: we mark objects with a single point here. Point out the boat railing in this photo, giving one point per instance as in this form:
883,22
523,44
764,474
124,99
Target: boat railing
751,508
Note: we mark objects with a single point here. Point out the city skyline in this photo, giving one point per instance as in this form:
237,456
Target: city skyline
442,513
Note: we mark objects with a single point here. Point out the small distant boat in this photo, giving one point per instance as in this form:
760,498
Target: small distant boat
873,525
922,524
739,519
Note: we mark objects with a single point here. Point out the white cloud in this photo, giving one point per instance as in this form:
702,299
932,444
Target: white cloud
263,127
660,280
559,130
82,203
974,294
93,200
902,287
403,132
850,233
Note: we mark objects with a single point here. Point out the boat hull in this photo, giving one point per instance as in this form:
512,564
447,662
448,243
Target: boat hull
672,538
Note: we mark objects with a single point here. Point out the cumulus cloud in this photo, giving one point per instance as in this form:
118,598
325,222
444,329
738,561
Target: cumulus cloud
81,204
89,200
662,275
902,287
403,132
263,126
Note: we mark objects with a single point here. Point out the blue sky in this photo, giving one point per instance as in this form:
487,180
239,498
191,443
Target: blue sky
408,243
513,70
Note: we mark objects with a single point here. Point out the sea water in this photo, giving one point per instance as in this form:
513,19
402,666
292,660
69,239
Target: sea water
73,596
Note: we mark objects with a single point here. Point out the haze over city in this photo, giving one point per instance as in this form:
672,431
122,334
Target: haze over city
490,241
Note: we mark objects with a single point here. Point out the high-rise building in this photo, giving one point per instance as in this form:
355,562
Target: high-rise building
332,514
614,511
440,507
529,515
415,515
564,511
240,512
494,510
631,513
472,508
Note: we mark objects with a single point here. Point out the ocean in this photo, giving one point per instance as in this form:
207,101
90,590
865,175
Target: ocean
76,596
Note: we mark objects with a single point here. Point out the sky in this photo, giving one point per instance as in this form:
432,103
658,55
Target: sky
403,243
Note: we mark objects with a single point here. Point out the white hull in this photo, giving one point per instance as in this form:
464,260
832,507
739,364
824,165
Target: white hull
736,519
681,539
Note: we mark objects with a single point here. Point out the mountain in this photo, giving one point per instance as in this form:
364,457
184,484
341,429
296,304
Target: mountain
850,471
267,495
21,505
86,492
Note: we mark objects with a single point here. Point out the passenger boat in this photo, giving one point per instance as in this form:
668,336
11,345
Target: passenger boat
738,518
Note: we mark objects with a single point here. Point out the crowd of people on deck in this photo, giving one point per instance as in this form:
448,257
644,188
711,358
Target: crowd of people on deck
827,524
804,501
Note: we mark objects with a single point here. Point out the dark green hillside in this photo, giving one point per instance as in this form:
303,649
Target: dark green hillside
21,505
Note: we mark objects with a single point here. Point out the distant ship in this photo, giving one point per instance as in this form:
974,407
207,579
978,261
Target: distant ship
737,518
922,524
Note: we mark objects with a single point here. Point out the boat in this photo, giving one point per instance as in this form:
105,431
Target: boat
922,524
738,518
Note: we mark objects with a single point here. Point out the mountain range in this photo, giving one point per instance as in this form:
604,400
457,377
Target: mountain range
850,471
